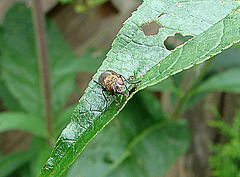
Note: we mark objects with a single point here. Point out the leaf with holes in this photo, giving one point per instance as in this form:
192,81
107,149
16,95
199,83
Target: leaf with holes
215,27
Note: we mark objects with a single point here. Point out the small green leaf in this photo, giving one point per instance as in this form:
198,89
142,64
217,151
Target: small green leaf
66,1
10,163
22,121
215,27
227,81
93,3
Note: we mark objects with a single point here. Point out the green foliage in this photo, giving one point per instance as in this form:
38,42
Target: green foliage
12,162
9,102
22,121
227,60
226,159
91,60
20,84
66,1
165,86
19,62
228,81
145,58
83,5
140,142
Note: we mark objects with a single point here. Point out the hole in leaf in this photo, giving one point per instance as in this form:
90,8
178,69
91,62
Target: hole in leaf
173,41
151,29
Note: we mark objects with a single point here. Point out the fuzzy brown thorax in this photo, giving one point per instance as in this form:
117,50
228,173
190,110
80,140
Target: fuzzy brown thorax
113,84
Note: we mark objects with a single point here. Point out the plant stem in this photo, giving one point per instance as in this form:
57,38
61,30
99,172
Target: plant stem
132,144
41,43
190,91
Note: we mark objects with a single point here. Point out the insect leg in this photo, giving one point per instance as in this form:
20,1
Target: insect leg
106,100
106,105
118,104
123,78
98,83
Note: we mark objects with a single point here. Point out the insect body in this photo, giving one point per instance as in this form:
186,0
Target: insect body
113,83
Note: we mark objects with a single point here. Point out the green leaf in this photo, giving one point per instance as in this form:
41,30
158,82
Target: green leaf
93,3
164,86
20,65
40,150
227,81
138,143
8,100
10,163
227,59
62,119
22,121
91,60
215,27
66,1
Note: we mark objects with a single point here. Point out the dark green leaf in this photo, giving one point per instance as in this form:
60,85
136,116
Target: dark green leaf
8,100
93,3
214,25
194,100
20,65
22,121
227,59
66,1
164,86
137,143
227,81
40,152
10,163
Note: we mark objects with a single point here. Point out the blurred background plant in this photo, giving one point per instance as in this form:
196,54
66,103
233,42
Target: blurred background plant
119,146
225,160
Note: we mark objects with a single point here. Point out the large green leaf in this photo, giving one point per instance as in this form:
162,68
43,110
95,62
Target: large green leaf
22,121
20,65
138,143
214,25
